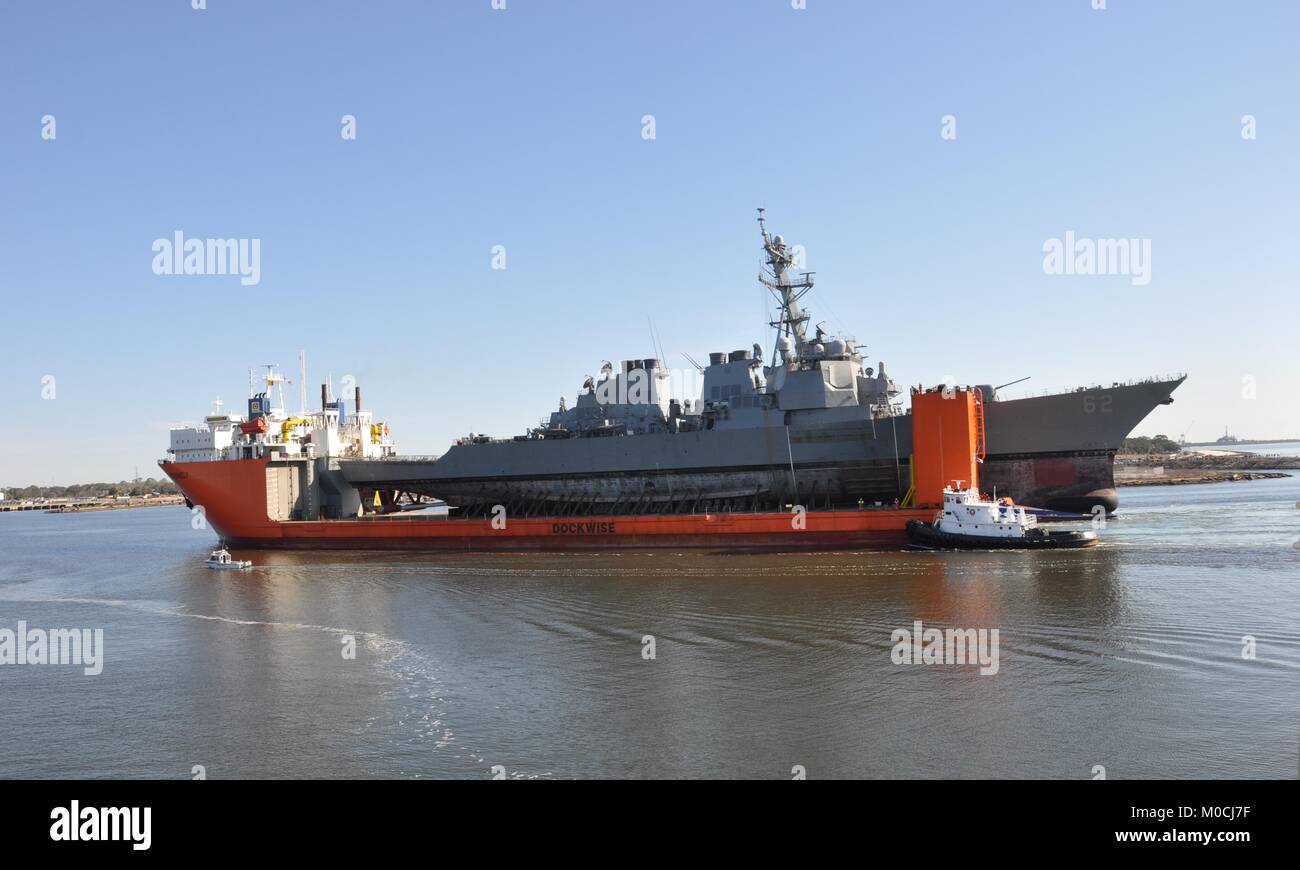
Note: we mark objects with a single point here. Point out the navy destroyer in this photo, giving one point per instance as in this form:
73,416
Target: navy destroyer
812,425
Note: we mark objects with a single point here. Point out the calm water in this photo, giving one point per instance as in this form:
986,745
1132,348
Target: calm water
1127,656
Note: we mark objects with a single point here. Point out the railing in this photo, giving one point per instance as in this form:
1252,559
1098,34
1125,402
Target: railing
1155,379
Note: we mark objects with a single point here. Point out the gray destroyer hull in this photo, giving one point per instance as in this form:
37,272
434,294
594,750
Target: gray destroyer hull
1052,451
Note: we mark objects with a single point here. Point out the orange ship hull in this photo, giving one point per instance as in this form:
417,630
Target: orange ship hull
233,498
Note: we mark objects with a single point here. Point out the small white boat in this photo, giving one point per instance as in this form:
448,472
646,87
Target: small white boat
969,522
220,560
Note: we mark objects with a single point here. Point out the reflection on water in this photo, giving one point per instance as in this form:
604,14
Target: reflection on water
1127,655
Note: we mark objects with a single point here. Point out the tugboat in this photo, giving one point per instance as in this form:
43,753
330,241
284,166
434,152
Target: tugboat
220,560
969,522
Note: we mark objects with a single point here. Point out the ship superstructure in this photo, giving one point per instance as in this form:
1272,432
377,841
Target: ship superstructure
739,392
302,451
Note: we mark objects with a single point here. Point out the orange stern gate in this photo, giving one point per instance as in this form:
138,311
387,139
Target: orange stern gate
947,442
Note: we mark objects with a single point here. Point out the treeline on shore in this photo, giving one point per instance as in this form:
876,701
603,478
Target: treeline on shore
137,488
1150,444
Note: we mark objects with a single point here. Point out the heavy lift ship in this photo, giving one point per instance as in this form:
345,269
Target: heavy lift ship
274,481
813,426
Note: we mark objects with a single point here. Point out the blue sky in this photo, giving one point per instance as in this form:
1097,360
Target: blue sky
523,128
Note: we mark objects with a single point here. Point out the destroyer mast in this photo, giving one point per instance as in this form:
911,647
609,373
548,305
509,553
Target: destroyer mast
787,291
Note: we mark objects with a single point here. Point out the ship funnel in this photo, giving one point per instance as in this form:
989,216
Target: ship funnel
357,396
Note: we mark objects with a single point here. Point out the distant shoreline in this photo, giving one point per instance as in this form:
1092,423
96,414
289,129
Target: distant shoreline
1204,466
1230,444
1222,460
1175,477
64,506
